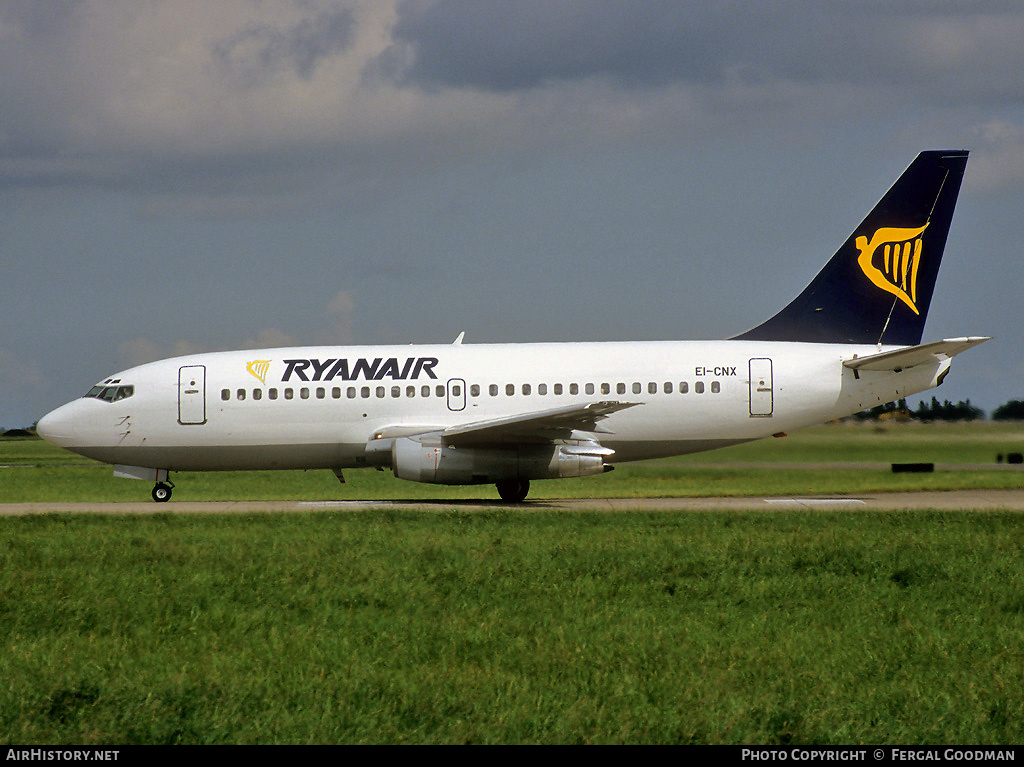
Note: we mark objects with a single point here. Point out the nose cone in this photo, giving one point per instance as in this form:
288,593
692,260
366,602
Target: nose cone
62,427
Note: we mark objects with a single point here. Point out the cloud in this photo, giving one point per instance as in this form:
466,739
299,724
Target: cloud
19,373
269,338
225,104
999,165
527,44
341,313
184,76
23,384
218,104
260,50
139,351
522,45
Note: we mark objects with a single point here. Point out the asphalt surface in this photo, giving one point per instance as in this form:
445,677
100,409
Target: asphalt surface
971,500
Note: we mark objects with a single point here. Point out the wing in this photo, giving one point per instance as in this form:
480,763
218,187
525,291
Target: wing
533,428
539,428
938,351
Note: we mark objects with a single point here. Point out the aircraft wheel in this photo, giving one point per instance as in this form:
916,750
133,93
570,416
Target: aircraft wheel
514,490
161,493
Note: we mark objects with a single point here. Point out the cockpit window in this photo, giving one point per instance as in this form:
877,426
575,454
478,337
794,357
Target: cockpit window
111,393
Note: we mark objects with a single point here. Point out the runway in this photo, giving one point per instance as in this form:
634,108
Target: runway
960,500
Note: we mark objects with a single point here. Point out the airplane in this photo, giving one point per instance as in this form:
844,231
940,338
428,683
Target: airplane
508,414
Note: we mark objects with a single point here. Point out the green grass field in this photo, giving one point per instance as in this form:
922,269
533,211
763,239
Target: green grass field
508,626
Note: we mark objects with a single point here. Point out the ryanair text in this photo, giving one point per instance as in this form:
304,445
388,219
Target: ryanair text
370,370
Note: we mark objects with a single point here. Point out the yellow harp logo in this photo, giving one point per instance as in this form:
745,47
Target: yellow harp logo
259,369
891,260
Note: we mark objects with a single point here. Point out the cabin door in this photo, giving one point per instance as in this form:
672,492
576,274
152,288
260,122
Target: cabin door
456,394
192,395
761,389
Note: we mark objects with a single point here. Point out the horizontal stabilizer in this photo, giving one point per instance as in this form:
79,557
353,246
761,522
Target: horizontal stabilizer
915,355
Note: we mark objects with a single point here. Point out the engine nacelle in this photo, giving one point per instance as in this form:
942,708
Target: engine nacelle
444,465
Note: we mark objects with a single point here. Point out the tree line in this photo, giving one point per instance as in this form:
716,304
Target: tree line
941,411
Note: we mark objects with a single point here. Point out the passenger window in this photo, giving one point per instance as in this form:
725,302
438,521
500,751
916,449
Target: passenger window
606,388
396,391
410,391
288,393
493,390
574,388
225,394
425,391
652,388
510,389
699,387
526,389
590,388
350,392
716,387
272,393
440,390
542,389
668,387
636,387
380,392
365,392
620,388
304,392
321,393
683,387
336,392
474,390
558,389
257,393
240,394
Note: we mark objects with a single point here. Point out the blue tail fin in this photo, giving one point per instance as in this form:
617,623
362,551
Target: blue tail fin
877,288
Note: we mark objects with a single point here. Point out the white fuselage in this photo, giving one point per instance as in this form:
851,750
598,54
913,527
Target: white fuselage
319,407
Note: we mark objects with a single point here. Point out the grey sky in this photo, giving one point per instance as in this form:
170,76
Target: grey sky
188,175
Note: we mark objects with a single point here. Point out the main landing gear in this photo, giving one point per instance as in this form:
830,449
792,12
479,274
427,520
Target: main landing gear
162,492
513,490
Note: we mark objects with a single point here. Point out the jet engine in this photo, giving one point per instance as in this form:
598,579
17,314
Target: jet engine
444,465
